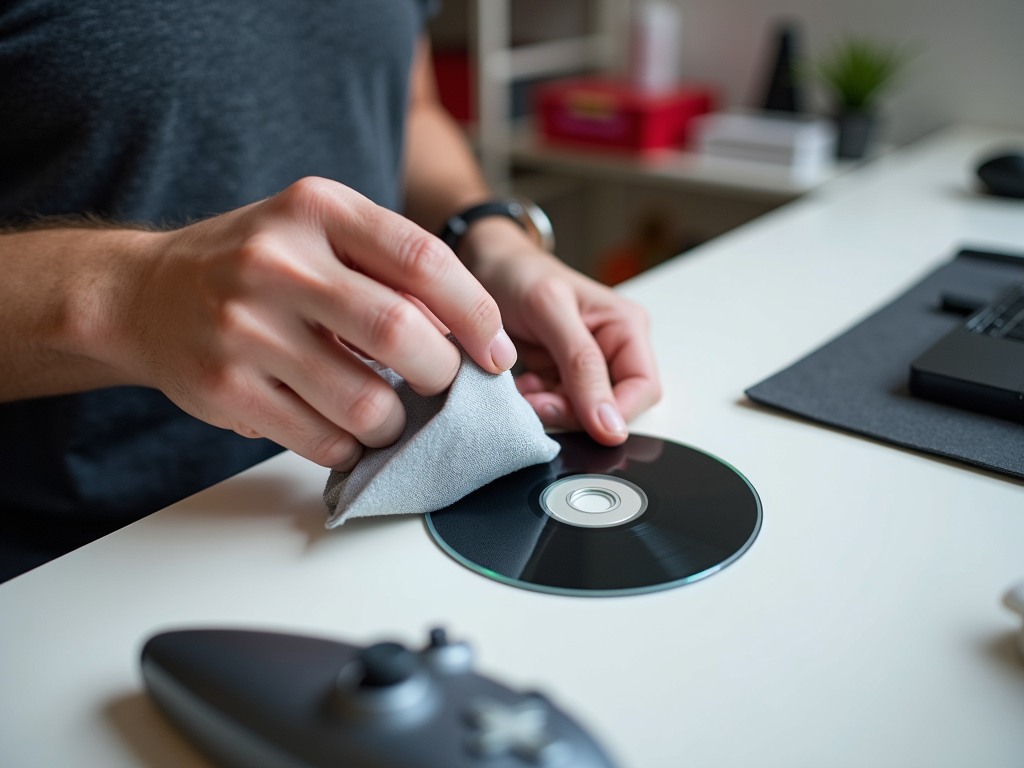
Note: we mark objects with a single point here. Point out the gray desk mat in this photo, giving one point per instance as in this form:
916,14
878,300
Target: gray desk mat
859,381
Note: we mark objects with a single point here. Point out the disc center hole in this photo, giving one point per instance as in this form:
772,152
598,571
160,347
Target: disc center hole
593,500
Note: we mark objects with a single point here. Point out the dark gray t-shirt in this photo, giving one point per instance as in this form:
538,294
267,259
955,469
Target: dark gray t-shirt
167,111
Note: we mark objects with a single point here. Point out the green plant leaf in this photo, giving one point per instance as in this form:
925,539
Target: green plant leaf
858,71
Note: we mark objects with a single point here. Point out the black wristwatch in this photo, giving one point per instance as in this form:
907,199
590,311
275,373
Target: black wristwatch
525,213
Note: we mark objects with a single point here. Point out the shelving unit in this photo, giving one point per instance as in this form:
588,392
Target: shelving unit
499,64
669,168
596,199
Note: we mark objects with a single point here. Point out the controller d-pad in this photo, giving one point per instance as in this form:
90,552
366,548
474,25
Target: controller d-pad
517,729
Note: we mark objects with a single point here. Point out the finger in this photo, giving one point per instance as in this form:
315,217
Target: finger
387,327
581,362
283,417
528,383
336,384
553,410
622,332
548,401
626,345
635,395
536,359
398,253
441,327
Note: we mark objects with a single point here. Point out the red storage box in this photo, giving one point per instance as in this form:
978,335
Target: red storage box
605,113
454,83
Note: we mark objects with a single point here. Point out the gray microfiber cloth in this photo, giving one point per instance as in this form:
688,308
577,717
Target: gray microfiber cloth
453,443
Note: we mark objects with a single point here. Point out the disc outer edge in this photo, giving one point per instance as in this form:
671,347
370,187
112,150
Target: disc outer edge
625,591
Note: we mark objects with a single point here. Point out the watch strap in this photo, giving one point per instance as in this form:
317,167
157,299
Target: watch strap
457,225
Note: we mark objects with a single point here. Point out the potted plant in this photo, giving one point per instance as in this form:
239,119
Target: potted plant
858,71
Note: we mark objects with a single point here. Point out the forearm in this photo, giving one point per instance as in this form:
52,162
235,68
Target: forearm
443,178
58,306
441,175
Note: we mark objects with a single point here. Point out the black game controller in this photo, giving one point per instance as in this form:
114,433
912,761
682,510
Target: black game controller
266,700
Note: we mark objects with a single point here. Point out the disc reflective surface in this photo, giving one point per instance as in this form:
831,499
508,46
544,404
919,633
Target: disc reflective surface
700,514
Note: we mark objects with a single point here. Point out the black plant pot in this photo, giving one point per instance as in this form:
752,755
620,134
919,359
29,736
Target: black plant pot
856,132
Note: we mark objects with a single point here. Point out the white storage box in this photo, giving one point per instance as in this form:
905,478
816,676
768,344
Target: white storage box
806,146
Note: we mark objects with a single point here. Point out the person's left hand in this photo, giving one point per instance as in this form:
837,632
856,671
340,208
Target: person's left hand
586,349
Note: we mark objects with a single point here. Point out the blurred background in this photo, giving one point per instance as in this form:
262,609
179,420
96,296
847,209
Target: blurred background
645,127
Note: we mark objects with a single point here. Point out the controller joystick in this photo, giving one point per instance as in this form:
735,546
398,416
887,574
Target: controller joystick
384,680
386,664
259,698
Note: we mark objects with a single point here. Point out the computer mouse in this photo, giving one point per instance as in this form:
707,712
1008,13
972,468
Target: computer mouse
1003,175
1014,600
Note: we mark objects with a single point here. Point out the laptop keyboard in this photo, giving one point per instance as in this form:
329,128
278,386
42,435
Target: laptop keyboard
1004,319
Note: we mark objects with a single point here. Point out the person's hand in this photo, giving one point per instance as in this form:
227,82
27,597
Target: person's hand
587,350
249,320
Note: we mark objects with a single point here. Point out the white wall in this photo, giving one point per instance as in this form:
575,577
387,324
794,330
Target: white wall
971,65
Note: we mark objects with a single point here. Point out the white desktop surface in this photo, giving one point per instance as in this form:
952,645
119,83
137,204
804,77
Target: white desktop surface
863,628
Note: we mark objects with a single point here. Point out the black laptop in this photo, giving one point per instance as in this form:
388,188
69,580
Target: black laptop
980,365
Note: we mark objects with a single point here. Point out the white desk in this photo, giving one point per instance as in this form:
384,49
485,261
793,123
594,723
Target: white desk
863,628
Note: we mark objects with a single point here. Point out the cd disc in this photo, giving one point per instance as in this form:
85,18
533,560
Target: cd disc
646,515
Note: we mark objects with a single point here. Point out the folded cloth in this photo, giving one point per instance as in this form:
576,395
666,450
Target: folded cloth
453,443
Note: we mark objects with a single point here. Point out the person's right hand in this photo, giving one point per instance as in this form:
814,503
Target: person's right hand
245,320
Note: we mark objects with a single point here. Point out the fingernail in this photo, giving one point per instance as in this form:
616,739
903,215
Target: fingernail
503,351
550,412
611,419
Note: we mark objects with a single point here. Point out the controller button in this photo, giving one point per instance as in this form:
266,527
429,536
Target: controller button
386,664
513,729
446,657
438,638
